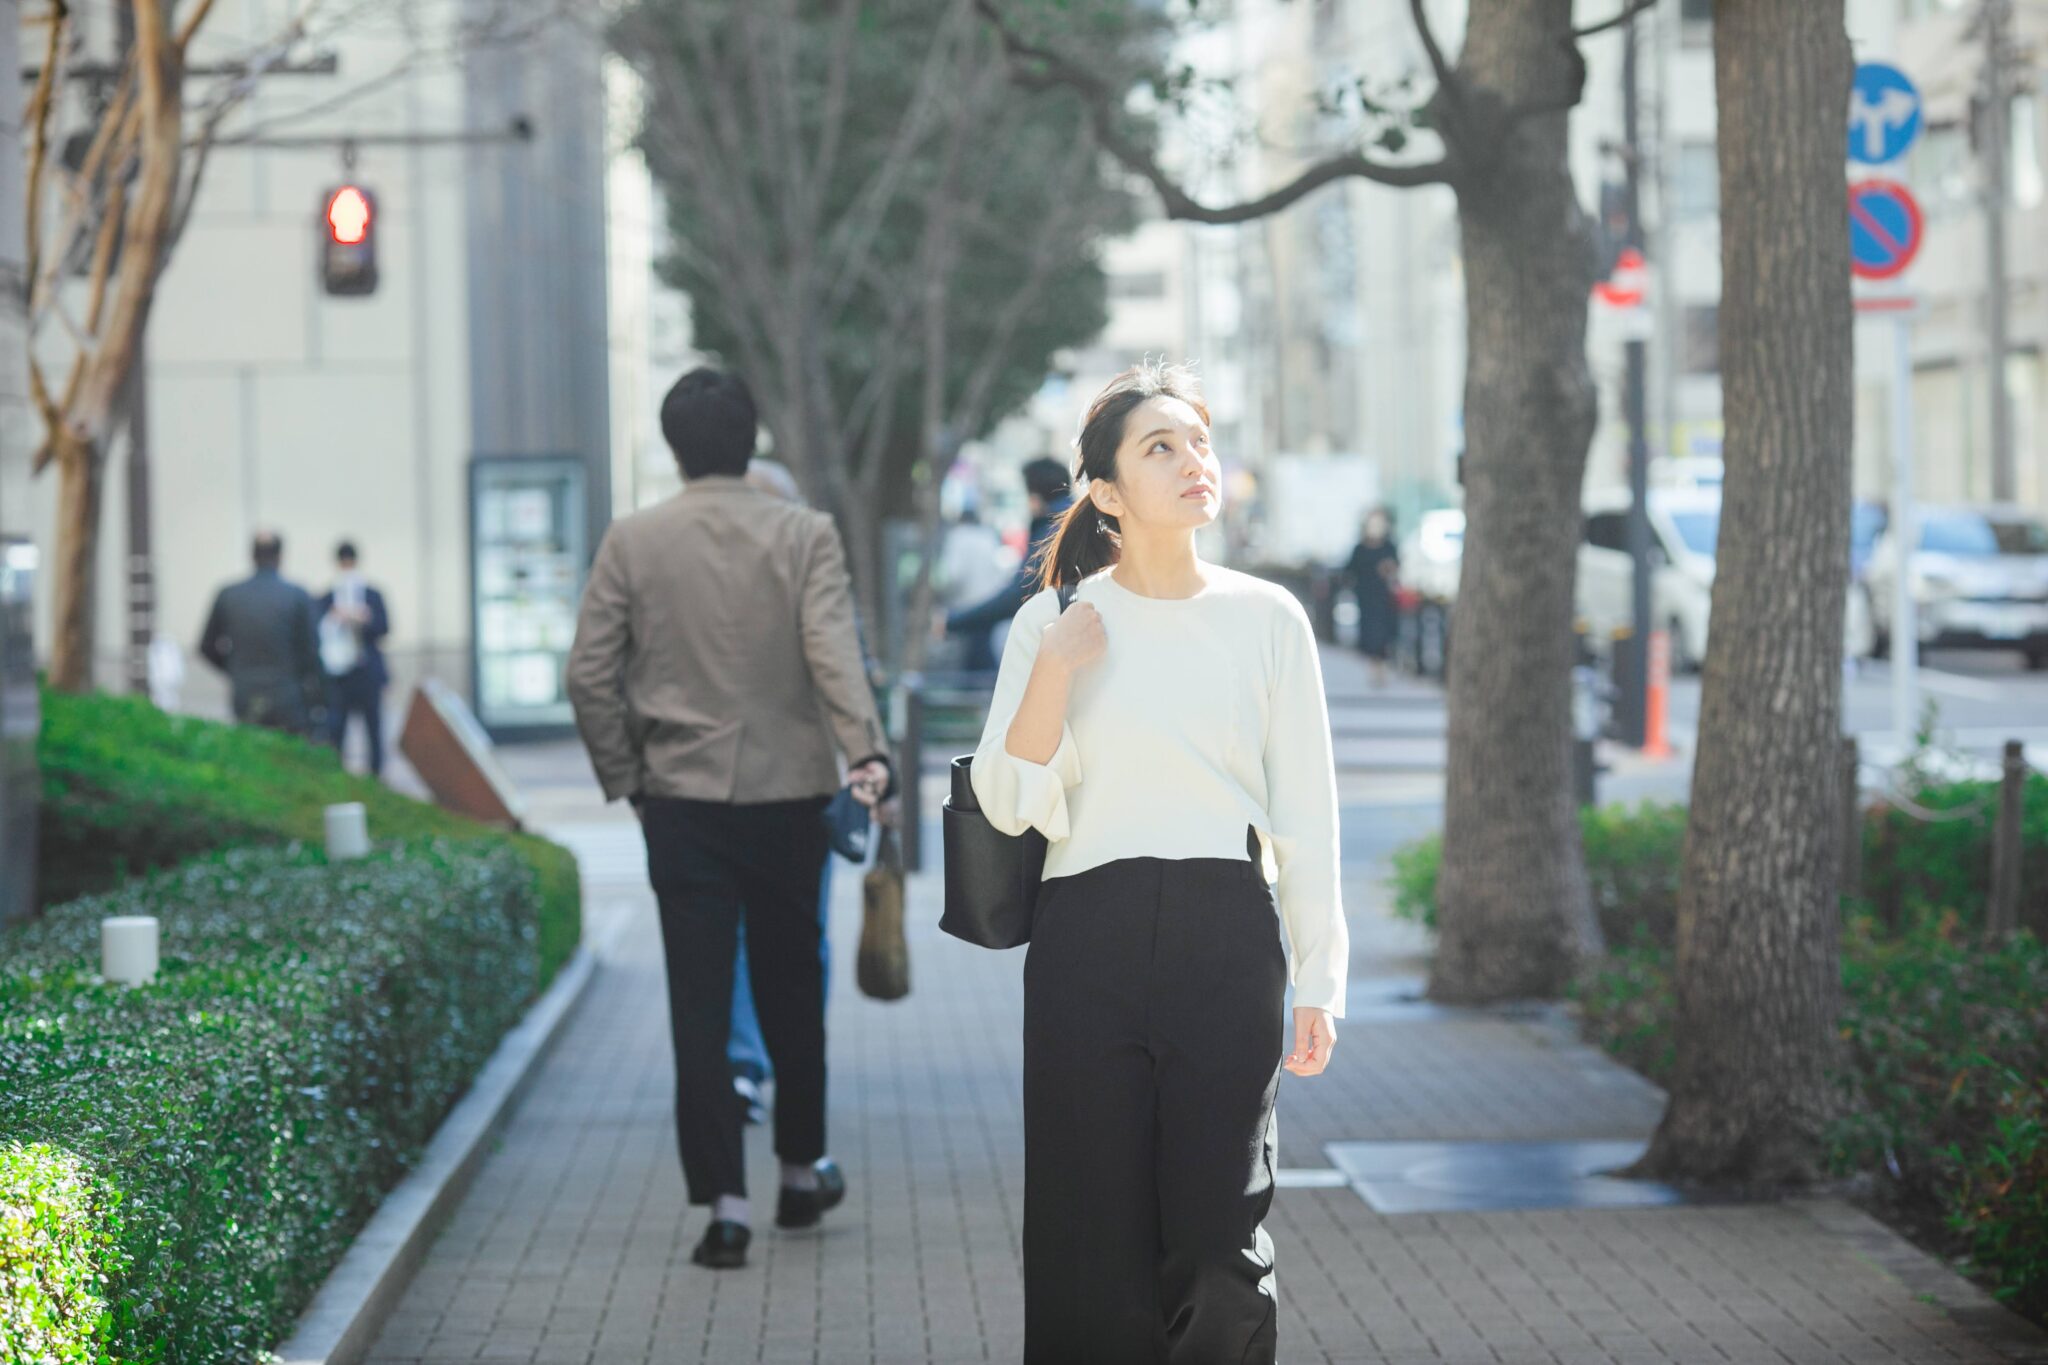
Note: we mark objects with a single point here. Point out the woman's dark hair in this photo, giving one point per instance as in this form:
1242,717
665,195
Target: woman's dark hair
1088,538
709,421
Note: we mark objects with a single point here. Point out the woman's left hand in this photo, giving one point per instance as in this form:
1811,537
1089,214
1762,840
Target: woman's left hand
1315,1035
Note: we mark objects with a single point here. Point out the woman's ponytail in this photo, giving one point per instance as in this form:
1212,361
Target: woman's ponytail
1084,542
1088,538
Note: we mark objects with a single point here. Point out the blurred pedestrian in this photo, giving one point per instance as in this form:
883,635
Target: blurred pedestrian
1374,571
353,624
1168,735
1048,494
716,668
260,633
973,563
748,1051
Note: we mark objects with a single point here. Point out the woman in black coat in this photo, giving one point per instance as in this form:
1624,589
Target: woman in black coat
1374,568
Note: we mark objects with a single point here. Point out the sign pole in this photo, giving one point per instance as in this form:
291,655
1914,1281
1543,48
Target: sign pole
1905,633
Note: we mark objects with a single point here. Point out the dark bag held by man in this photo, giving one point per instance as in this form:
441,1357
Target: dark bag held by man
991,877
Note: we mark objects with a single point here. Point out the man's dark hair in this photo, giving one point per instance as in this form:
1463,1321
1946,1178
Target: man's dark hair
267,549
346,552
710,422
1047,478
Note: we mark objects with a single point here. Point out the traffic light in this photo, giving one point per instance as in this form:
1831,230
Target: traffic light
348,241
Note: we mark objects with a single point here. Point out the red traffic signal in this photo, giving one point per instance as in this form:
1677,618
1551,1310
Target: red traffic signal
348,215
348,241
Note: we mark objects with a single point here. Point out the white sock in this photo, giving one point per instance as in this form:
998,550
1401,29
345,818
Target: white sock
731,1208
799,1175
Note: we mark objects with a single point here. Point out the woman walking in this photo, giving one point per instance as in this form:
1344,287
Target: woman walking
1167,733
1374,569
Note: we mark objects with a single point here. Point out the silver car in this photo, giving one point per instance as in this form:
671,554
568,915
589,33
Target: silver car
1979,581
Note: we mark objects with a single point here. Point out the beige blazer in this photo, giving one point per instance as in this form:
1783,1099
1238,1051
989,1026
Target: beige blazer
715,652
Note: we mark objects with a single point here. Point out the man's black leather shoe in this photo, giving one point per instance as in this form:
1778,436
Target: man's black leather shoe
803,1208
724,1246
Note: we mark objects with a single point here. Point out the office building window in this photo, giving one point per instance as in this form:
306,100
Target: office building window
1695,182
1699,345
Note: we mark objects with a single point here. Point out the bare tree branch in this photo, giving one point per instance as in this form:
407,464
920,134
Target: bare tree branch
38,119
1446,78
1099,100
1628,12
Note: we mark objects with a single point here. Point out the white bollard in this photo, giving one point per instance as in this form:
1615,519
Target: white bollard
128,949
348,831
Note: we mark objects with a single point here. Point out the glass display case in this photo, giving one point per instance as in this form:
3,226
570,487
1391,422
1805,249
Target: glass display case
528,551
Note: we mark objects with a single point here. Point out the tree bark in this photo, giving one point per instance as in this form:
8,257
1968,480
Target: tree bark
1514,915
1757,965
74,587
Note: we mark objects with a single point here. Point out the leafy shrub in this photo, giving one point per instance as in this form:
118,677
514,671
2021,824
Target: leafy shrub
1917,870
245,1113
129,789
1947,1042
59,1248
1944,1082
1632,862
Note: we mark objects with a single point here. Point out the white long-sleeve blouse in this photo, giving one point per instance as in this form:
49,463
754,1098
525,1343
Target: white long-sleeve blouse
1204,714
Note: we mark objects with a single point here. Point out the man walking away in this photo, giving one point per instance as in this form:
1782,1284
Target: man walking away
260,633
353,624
715,670
1047,492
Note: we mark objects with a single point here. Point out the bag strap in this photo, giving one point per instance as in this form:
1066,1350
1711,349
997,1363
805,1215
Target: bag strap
1067,595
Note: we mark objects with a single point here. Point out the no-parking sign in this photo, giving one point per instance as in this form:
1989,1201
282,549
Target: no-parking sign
1884,228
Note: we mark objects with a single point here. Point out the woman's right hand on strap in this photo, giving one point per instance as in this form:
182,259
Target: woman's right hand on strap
1074,639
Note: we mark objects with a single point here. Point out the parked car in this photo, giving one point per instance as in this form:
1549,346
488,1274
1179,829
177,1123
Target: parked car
1685,523
1979,579
1685,532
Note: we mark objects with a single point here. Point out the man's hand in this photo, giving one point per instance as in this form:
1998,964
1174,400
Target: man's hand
868,780
1315,1034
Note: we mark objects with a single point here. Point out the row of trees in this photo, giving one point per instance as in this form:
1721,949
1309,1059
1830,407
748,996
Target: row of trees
1757,950
885,211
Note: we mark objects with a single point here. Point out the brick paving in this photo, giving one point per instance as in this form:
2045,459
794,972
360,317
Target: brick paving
573,1246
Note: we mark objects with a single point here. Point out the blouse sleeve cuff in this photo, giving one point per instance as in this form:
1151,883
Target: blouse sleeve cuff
1042,787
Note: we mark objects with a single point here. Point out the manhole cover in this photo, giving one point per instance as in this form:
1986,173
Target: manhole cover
1440,1177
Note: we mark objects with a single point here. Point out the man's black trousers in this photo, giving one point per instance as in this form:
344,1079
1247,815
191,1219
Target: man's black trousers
357,693
1154,1002
712,863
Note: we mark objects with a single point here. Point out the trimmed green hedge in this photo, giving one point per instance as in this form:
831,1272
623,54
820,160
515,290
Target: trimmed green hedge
1914,869
182,1164
1632,860
129,789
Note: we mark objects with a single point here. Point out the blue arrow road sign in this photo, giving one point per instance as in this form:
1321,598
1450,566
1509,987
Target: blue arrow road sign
1884,114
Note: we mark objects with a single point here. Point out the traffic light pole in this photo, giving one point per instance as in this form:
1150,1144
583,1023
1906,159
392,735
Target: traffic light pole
1632,672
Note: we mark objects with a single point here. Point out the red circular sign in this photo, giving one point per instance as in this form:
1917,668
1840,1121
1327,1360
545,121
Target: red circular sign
1885,228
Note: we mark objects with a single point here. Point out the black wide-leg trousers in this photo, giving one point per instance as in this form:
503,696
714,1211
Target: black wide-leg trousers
1154,1003
713,863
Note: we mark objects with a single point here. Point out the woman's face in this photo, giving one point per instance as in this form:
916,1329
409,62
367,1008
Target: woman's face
1166,474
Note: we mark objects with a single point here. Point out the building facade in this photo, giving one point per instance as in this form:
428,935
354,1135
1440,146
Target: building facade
454,423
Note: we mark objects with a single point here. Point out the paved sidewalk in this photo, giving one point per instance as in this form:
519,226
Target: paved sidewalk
574,1244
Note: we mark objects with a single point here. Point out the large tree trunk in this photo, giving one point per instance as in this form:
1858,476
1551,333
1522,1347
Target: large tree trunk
1514,915
74,586
1757,960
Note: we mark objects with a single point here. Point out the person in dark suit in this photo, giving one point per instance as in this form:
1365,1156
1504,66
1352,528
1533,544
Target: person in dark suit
260,633
353,624
1047,492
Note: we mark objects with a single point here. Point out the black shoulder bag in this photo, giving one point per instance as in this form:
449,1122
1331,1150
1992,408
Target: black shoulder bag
991,877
